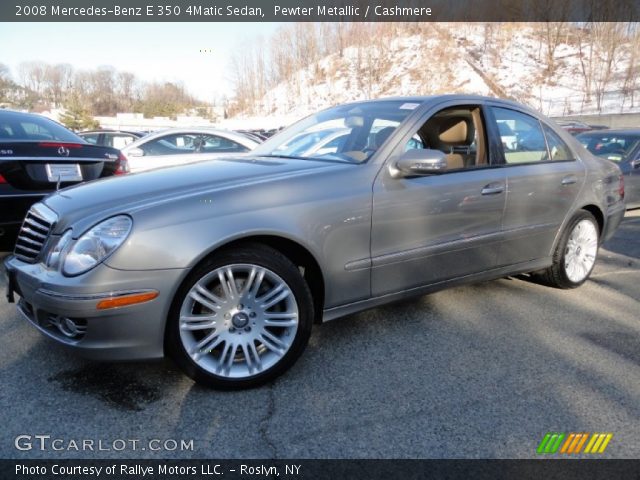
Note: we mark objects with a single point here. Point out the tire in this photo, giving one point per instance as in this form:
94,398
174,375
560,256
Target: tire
575,255
240,319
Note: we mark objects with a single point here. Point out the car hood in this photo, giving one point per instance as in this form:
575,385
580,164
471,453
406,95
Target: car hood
129,193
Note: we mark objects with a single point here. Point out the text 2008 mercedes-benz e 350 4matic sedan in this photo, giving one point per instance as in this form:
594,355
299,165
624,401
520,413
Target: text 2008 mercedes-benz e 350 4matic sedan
225,265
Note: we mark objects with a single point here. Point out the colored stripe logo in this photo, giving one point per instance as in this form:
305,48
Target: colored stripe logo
573,443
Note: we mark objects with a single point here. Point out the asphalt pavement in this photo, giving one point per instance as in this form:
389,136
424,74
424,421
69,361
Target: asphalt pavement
477,371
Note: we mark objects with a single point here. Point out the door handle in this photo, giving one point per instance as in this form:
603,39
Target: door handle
493,189
569,180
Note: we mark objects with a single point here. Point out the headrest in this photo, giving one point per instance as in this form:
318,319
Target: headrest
382,135
454,131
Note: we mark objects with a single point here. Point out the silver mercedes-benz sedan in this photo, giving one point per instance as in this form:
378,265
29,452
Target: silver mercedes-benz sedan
225,265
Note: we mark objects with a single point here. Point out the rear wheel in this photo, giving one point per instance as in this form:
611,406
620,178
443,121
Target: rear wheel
241,318
575,253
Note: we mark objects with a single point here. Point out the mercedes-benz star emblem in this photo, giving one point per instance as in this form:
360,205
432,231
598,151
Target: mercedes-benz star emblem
63,151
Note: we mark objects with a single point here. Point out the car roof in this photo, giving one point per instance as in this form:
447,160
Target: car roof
16,114
111,130
239,137
610,131
455,97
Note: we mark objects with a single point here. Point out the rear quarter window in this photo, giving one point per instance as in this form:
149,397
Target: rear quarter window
30,127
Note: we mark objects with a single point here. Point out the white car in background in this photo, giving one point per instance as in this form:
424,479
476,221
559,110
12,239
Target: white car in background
177,146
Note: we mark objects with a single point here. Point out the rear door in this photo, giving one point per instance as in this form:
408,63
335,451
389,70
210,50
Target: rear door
544,179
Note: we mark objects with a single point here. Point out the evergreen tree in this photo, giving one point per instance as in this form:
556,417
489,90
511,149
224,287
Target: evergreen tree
76,116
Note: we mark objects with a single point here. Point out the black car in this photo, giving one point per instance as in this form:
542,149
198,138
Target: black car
623,147
111,138
37,156
575,127
253,135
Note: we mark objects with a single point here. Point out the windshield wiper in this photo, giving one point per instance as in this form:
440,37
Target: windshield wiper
315,159
273,155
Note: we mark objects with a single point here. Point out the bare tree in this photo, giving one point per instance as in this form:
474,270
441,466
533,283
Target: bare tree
32,75
56,82
633,66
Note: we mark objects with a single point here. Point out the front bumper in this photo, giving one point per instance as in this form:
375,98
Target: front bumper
65,309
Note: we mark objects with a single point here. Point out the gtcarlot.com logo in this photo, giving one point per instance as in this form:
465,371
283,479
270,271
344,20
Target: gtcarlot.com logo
50,443
573,443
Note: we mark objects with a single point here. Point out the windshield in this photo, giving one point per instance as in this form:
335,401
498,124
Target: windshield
611,146
348,133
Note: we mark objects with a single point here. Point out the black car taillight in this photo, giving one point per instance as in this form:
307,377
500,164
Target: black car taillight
122,165
3,180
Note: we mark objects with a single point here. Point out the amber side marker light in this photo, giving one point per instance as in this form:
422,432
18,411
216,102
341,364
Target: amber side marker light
126,300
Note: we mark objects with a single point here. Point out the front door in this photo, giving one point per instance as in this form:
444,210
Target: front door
428,229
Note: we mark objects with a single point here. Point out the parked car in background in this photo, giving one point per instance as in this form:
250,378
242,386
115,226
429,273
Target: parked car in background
111,138
575,127
253,134
37,156
225,265
177,146
623,147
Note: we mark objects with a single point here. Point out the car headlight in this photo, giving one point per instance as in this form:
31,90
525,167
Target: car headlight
57,252
96,245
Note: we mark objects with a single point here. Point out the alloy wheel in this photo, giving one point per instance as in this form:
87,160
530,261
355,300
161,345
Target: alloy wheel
238,320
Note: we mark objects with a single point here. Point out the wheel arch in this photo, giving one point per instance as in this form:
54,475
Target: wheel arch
593,209
597,213
293,250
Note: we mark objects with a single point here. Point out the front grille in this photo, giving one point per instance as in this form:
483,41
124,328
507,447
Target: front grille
34,233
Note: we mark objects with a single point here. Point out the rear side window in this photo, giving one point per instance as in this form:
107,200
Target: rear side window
214,143
176,144
558,150
118,140
187,143
521,137
91,137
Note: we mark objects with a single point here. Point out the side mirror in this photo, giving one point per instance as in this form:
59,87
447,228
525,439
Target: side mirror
635,163
419,162
135,152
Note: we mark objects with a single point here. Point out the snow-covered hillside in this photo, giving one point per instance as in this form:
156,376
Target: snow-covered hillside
509,60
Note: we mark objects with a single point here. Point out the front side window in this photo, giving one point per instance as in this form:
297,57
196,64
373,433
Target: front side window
521,137
458,132
349,133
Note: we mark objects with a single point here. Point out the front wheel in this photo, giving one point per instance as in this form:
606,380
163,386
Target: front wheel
575,253
240,319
